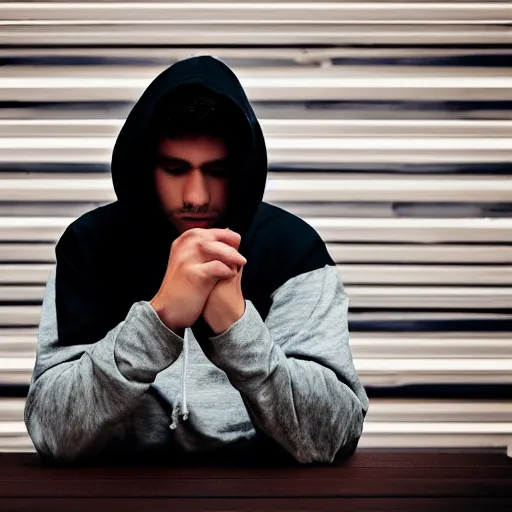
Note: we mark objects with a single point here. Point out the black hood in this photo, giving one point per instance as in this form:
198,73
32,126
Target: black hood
117,254
130,162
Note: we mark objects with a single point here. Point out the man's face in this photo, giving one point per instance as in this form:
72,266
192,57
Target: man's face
191,180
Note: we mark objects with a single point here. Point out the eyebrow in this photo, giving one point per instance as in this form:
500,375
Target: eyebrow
172,160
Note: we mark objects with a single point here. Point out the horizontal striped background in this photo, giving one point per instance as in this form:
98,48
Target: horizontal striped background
388,127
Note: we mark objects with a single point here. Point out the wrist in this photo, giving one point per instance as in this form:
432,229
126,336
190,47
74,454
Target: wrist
223,320
166,316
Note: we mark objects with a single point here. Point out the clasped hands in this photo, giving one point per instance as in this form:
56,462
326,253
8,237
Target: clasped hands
203,278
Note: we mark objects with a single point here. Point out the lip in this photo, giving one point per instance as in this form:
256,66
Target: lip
196,218
197,222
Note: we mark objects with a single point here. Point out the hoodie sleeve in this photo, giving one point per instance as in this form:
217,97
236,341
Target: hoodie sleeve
295,369
79,394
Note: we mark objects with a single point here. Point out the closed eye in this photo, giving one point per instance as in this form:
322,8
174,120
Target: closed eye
176,170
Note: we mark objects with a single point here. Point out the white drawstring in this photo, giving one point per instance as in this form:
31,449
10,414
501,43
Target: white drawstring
181,407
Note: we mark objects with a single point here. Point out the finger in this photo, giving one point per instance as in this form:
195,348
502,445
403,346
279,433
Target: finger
226,236
214,250
216,269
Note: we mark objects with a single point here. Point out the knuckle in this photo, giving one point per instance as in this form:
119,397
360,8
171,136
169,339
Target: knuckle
219,268
202,244
216,266
192,233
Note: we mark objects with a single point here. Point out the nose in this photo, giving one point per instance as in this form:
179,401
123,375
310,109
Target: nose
195,190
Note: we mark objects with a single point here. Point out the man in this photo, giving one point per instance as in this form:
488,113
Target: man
189,316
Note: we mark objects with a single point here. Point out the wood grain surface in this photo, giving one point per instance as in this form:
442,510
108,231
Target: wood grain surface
369,480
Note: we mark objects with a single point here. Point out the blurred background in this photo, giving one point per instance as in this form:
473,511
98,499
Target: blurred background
389,129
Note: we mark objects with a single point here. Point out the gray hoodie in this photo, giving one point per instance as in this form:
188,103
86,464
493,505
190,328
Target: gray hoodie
111,378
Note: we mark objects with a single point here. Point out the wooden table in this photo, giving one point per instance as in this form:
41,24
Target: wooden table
369,480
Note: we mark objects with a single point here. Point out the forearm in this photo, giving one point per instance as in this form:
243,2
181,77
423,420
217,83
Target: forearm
73,407
305,408
301,404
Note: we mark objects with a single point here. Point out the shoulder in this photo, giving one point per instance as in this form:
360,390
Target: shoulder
286,244
284,227
91,232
